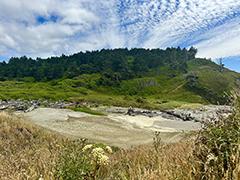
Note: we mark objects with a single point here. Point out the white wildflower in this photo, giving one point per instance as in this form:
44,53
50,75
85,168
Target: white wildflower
103,160
87,147
99,156
109,149
211,158
97,152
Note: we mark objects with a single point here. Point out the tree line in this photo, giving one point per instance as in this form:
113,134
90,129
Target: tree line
114,65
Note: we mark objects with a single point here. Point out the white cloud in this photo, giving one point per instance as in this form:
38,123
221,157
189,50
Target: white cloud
21,31
78,16
222,41
209,25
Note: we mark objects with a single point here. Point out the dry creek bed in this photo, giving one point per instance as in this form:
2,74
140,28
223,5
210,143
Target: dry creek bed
121,128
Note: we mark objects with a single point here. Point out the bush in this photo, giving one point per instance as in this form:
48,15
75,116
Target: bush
73,163
217,148
141,100
80,161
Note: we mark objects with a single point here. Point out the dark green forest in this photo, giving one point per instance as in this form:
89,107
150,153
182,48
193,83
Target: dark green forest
114,65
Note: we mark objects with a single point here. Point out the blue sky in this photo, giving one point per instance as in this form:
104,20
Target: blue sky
52,27
232,63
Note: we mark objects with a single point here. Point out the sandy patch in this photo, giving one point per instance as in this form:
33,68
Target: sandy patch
114,129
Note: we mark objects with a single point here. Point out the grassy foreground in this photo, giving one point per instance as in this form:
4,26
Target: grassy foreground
30,152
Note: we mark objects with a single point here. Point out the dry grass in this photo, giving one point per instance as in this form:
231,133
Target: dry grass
26,152
169,162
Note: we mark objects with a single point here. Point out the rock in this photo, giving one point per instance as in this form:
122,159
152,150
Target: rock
27,106
130,112
3,107
202,114
117,110
30,109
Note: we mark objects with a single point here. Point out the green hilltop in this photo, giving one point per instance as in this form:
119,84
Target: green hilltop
138,77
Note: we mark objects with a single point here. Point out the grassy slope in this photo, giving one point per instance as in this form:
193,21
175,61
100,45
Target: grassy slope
44,90
212,78
162,91
26,151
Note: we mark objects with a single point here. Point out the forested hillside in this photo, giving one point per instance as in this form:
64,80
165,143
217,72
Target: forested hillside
120,64
119,77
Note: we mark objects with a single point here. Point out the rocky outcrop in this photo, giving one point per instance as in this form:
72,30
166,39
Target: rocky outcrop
133,111
18,105
27,106
205,113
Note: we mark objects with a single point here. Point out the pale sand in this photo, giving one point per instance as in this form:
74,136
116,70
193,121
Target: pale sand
115,129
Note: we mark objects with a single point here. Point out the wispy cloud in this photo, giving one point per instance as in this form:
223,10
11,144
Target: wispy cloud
52,27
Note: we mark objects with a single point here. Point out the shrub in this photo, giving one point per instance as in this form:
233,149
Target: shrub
73,163
217,148
80,161
141,100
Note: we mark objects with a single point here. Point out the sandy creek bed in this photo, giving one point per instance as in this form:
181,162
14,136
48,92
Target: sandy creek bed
115,129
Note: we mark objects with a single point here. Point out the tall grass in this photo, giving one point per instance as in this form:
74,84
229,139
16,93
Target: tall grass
26,151
171,161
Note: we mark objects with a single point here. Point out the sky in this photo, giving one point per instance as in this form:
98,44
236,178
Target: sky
46,28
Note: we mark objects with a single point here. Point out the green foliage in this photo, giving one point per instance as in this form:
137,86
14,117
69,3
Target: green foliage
114,65
80,161
140,86
87,110
206,80
109,79
140,100
218,148
73,162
